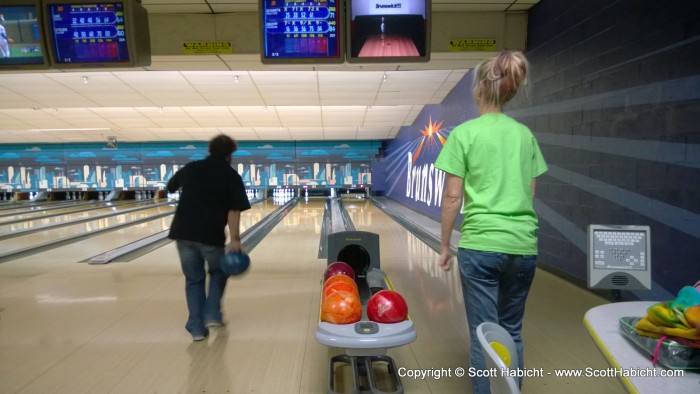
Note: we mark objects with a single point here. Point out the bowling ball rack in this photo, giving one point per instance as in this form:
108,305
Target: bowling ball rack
365,342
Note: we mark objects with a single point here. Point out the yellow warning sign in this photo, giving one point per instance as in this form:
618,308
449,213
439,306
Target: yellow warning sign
458,45
206,47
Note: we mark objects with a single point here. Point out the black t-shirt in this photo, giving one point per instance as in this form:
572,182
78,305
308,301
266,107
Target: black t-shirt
210,188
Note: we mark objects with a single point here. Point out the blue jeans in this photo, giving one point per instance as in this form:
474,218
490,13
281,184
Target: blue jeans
495,287
202,307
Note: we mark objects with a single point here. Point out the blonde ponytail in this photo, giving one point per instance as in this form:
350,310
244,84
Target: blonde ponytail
497,79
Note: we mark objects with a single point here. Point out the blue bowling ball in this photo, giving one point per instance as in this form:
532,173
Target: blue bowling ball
235,263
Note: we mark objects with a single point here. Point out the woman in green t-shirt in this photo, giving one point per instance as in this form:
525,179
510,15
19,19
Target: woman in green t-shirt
492,161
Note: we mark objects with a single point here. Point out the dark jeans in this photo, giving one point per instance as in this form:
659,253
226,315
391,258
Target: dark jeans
495,287
203,307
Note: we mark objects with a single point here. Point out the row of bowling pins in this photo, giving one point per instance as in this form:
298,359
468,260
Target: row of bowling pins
7,196
282,196
251,193
144,195
282,193
72,195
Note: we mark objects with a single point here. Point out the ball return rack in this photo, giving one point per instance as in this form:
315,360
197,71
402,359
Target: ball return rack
365,342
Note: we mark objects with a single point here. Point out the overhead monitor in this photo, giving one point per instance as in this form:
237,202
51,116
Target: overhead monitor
388,31
297,32
619,257
84,33
22,45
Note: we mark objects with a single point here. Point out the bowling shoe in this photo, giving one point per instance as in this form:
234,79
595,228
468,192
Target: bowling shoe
200,337
214,323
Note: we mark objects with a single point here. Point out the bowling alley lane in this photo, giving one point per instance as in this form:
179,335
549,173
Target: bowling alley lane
33,219
18,208
119,324
112,239
34,239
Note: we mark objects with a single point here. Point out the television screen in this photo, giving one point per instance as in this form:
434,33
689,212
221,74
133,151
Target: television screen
87,33
388,31
21,35
301,31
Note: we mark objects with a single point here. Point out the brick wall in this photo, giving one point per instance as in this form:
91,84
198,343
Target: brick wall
614,102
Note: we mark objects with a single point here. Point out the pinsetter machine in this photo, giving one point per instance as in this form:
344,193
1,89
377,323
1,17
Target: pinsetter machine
365,342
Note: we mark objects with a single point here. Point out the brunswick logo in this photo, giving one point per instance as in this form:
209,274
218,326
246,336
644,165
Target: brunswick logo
430,133
425,183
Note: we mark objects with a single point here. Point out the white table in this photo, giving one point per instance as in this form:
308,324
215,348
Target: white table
603,324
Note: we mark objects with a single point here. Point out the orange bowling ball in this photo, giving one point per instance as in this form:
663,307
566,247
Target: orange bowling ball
341,307
340,278
339,286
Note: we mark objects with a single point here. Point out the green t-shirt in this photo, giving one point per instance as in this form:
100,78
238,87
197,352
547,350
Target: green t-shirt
497,157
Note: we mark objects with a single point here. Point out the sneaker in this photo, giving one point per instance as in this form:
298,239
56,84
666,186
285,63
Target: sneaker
200,337
214,323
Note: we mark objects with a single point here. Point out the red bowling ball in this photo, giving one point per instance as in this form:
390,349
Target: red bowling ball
338,268
387,306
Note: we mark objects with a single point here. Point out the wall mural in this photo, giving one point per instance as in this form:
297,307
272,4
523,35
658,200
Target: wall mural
36,167
410,173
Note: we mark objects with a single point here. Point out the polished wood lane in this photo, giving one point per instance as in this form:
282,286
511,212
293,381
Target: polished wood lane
39,222
76,328
41,217
41,237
